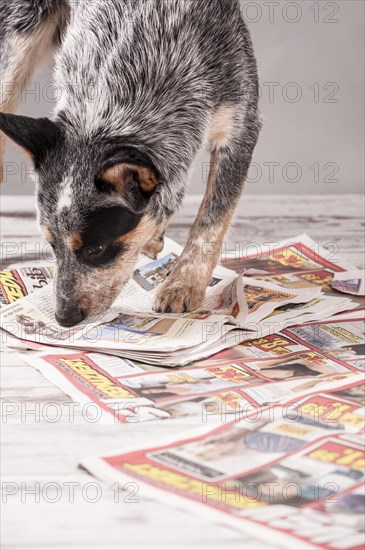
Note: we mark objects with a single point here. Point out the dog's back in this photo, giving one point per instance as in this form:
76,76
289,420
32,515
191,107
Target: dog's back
149,71
153,71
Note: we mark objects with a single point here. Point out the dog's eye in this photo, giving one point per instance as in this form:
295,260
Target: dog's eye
92,251
98,256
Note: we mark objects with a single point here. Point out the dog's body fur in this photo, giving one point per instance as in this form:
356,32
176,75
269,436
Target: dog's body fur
143,86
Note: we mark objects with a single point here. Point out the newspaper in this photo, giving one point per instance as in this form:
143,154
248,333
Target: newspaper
17,283
292,474
248,306
300,361
299,261
271,370
350,282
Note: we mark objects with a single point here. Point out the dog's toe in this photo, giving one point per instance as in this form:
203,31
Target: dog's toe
178,298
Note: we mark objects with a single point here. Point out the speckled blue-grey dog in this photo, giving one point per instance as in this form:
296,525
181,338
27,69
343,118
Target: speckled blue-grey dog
143,85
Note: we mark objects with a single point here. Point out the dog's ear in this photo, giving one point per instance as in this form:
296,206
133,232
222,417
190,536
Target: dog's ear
35,135
135,182
124,174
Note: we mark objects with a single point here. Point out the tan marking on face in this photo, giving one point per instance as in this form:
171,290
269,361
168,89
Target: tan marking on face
142,234
25,54
47,234
74,241
221,127
97,289
117,176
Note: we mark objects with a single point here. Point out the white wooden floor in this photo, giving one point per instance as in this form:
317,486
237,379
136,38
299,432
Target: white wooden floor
40,457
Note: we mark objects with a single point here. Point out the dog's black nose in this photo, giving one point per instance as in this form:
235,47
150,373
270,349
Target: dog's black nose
70,318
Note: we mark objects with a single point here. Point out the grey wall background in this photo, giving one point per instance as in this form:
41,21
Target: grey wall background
311,65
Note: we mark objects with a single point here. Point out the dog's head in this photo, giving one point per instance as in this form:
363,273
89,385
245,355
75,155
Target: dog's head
94,199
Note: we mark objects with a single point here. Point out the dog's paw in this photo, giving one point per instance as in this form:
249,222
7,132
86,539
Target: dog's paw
153,247
178,296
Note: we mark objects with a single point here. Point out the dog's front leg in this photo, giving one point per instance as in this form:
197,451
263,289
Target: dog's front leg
184,290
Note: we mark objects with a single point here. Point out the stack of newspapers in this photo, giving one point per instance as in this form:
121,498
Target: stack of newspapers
256,294
271,381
